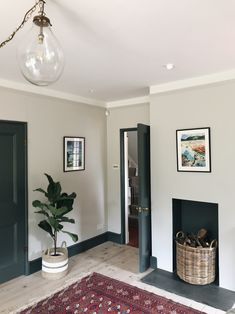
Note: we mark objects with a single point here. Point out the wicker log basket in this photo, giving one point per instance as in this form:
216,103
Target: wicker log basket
196,265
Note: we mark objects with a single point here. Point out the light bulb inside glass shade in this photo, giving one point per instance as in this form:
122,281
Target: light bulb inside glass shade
40,56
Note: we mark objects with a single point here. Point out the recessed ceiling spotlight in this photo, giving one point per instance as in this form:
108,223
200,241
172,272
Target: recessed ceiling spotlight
91,90
169,66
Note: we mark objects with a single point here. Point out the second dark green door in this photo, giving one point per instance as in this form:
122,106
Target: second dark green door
144,216
12,199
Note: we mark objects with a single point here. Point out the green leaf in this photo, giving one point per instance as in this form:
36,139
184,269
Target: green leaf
60,227
54,223
61,211
72,195
54,190
41,190
43,207
39,204
66,200
72,235
46,227
49,178
42,211
36,203
65,196
52,209
66,219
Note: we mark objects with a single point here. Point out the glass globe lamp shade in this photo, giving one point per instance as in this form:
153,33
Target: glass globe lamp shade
40,56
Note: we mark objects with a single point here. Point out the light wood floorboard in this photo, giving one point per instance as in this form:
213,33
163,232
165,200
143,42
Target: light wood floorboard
116,261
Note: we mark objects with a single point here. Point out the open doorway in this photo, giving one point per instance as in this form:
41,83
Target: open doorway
131,188
135,191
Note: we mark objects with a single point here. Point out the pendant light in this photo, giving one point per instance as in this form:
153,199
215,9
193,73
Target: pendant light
39,55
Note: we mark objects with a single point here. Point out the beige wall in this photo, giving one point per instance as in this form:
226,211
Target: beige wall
119,118
48,121
208,106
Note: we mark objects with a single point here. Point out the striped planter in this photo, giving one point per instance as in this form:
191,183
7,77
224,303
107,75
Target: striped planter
55,267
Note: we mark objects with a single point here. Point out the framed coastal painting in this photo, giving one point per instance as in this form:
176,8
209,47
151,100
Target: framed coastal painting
193,150
74,153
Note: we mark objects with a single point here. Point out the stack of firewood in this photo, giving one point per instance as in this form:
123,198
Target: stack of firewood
199,240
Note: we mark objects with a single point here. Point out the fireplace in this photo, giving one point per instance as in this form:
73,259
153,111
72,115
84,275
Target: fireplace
190,216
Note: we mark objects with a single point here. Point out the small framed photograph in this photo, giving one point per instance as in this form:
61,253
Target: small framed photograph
193,150
74,153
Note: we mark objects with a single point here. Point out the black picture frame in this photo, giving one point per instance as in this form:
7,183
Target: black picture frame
193,150
74,153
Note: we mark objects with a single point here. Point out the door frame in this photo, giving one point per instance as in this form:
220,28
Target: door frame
25,125
122,182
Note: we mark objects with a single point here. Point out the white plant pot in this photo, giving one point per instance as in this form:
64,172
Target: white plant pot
55,267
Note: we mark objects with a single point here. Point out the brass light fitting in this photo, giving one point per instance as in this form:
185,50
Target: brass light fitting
40,57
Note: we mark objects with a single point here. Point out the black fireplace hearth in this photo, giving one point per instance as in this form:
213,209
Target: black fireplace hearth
211,295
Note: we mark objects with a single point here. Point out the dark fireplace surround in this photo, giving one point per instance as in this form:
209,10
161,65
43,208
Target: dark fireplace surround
191,216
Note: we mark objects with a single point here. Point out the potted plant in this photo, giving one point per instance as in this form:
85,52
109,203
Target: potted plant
55,209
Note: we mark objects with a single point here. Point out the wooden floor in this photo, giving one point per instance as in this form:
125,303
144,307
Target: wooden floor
116,261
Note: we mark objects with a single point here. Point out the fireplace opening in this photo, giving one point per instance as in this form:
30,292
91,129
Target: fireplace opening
191,216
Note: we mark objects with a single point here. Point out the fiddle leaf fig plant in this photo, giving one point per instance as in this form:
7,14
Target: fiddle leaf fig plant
55,209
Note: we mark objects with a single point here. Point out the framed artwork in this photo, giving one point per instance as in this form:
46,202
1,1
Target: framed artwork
74,153
193,150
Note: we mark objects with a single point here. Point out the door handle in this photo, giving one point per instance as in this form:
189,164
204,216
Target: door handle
142,209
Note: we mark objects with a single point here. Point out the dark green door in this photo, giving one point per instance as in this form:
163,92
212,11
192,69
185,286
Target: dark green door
143,132
12,199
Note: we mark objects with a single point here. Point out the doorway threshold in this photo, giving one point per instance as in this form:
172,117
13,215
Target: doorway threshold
211,295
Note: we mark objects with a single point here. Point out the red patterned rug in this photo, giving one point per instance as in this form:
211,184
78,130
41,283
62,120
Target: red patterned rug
98,294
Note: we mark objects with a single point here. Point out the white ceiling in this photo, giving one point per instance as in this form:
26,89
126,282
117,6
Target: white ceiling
117,48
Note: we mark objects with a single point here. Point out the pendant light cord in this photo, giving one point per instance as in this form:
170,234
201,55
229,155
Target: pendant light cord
27,16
